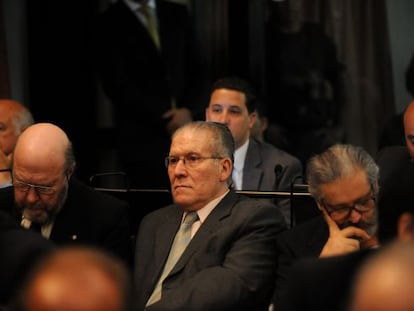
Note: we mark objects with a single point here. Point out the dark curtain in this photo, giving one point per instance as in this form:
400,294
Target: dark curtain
359,29
4,68
230,41
61,85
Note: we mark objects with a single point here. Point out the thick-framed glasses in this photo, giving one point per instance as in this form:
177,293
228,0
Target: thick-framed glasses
361,205
189,160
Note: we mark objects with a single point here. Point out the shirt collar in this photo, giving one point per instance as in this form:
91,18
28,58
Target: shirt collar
240,156
135,6
208,208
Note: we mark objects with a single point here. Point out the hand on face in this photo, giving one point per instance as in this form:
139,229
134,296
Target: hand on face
343,241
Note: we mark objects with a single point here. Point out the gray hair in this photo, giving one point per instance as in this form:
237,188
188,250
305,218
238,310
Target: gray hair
22,119
222,143
70,160
339,161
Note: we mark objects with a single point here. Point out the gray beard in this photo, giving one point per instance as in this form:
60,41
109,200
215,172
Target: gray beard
49,215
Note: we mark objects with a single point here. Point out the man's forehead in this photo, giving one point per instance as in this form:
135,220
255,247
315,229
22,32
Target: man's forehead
346,188
191,141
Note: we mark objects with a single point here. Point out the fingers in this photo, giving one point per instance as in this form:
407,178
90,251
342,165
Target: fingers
168,114
355,233
333,227
370,243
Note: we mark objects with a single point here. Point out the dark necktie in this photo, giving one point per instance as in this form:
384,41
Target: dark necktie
36,227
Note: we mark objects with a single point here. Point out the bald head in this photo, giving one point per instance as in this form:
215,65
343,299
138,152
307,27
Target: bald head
77,278
385,281
409,128
42,146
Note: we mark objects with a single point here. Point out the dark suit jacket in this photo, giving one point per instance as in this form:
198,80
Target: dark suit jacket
93,218
396,187
20,249
259,172
304,240
7,199
396,168
321,284
141,81
228,265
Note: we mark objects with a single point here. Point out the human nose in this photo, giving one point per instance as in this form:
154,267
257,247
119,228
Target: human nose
355,215
32,195
180,166
223,117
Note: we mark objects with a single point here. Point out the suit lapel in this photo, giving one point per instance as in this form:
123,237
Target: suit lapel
252,172
164,237
318,235
208,228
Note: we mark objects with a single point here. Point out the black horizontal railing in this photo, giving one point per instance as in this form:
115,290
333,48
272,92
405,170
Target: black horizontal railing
259,194
117,183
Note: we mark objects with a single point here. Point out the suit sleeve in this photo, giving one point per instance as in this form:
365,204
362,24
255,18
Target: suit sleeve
292,172
118,238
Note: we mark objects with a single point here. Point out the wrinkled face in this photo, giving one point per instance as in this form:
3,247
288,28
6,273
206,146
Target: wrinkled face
196,175
39,191
229,107
8,135
353,200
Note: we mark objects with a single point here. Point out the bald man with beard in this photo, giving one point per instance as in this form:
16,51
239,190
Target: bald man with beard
51,200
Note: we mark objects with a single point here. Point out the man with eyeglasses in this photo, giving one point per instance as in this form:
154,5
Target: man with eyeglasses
50,200
343,180
333,283
213,249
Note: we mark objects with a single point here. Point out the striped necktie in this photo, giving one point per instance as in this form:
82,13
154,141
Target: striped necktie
181,240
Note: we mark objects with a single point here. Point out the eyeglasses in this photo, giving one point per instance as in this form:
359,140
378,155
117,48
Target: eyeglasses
40,190
189,160
361,205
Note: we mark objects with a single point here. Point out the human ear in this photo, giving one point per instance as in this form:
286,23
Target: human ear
226,169
405,227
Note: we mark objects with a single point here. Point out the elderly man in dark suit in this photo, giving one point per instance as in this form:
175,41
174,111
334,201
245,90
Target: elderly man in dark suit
49,199
258,166
328,283
229,263
343,180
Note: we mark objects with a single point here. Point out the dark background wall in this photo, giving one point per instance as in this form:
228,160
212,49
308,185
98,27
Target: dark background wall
44,63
